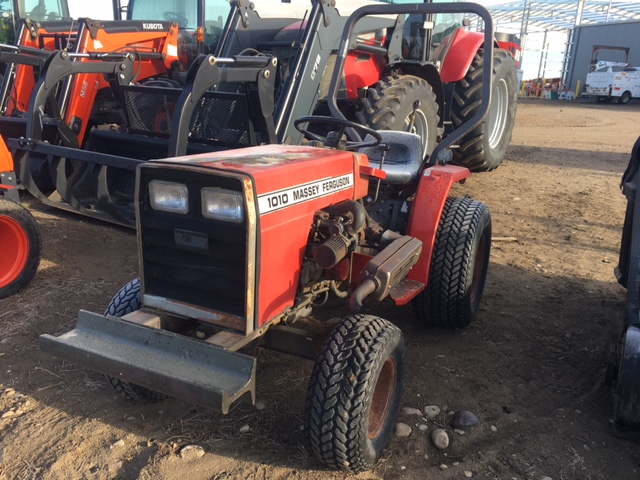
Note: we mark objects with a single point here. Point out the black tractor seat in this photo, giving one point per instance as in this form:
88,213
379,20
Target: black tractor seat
403,156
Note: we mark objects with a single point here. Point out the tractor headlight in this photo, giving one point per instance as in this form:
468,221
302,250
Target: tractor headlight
169,196
222,204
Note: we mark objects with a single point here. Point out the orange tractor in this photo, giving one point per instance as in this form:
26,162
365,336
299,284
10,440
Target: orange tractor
69,107
139,50
19,233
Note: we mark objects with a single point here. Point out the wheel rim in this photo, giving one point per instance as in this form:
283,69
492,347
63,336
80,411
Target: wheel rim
498,112
479,270
419,127
382,398
15,250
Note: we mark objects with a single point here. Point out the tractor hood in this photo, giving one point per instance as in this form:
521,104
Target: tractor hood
308,172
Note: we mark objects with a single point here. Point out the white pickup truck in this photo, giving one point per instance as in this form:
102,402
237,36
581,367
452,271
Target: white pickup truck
613,81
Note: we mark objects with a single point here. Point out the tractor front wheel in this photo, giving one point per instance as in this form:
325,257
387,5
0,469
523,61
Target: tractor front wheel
21,247
127,300
484,148
354,392
458,266
403,103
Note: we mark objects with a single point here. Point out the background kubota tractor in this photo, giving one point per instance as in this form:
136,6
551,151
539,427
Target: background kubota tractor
238,246
46,40
272,64
70,107
19,233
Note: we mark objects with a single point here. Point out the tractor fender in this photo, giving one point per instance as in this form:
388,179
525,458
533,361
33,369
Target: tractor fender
456,53
433,189
429,72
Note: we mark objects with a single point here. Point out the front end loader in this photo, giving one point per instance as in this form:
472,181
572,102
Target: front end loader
38,37
68,110
238,247
19,233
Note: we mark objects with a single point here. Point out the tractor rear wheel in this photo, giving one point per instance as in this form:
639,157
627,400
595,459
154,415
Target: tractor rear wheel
21,247
354,392
458,266
128,300
484,148
403,103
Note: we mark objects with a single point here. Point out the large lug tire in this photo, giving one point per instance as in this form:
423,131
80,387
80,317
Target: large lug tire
20,247
627,387
484,148
403,103
354,392
127,300
458,266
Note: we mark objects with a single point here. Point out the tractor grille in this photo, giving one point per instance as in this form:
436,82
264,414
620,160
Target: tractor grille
219,117
212,275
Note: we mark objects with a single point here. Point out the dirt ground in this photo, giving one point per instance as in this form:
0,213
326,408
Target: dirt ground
531,367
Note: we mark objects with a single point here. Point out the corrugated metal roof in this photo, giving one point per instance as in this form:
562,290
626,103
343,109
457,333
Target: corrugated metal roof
540,15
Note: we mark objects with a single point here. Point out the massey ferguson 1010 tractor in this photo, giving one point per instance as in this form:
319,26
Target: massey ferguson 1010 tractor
238,247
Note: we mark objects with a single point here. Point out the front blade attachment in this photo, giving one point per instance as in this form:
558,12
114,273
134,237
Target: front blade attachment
163,361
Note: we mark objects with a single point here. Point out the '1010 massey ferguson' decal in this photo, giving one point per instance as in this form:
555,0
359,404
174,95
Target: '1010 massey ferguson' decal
270,202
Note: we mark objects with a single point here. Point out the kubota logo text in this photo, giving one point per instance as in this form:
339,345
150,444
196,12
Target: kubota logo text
153,26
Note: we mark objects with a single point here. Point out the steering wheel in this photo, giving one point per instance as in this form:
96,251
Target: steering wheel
181,20
333,139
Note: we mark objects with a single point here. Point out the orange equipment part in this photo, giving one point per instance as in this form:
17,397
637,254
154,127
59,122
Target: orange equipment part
6,160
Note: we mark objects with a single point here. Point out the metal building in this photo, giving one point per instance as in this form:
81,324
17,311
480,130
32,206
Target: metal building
590,42
586,23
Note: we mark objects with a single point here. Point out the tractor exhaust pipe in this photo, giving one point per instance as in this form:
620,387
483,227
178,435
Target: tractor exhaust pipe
365,289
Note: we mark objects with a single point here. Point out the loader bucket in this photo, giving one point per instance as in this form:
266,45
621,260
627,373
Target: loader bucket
163,361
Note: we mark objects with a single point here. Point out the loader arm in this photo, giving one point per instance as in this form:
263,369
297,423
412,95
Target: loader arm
258,75
35,42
